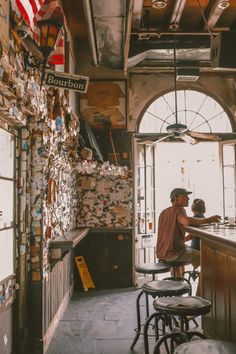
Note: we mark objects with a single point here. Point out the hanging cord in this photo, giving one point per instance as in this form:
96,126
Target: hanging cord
204,19
113,146
175,82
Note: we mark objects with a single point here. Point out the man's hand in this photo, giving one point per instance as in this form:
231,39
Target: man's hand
213,218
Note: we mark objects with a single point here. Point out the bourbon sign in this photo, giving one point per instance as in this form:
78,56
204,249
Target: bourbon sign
67,81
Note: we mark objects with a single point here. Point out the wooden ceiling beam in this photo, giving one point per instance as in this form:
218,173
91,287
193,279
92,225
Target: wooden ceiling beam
176,14
213,12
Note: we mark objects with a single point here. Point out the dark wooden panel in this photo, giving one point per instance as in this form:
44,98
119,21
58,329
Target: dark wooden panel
221,292
109,259
56,286
207,272
218,280
47,296
232,298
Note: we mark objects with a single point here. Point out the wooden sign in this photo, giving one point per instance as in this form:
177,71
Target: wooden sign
66,81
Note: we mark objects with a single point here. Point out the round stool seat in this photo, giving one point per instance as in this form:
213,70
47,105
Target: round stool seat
173,262
206,346
166,288
185,306
152,268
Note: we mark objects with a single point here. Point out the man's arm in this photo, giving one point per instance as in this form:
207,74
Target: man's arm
188,237
191,221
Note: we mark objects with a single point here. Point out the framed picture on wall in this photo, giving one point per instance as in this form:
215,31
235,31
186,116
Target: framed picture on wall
104,104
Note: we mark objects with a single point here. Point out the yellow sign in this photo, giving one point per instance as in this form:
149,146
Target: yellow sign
85,276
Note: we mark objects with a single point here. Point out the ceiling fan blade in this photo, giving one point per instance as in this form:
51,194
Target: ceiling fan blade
204,136
188,139
153,141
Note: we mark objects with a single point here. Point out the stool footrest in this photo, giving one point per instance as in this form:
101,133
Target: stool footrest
173,339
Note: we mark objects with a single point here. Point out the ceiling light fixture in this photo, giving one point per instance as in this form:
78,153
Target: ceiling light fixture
223,4
159,4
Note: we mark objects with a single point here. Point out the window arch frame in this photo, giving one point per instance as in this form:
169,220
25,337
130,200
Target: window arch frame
183,87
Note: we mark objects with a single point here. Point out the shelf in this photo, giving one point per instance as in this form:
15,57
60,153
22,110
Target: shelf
63,244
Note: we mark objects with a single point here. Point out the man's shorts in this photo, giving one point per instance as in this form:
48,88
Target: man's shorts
189,256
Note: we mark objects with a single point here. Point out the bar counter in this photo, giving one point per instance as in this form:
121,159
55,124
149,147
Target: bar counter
218,278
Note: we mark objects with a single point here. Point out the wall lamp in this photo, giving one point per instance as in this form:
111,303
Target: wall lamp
49,31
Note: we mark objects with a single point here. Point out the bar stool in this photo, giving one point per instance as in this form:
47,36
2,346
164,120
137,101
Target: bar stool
151,268
173,264
206,346
176,306
192,274
158,288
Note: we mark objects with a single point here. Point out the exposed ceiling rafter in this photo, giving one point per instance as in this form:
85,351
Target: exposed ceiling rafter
176,14
213,12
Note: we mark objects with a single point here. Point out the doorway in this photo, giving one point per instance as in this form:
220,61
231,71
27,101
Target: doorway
162,163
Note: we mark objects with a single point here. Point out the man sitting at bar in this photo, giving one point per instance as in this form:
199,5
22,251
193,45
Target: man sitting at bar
171,235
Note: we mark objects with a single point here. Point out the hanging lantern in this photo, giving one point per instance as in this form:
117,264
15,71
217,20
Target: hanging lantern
49,31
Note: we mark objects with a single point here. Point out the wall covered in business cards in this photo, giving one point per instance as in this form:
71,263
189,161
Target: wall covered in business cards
104,194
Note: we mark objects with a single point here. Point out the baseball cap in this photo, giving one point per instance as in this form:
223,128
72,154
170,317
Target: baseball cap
178,191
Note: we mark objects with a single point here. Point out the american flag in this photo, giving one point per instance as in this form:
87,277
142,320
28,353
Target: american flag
36,10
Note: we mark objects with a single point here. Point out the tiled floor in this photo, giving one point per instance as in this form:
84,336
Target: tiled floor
99,322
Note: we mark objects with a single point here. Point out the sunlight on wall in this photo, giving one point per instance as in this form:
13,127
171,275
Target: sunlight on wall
195,168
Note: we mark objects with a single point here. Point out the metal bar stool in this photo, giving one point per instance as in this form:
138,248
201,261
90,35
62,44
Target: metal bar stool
174,264
177,306
165,287
206,346
147,268
151,268
191,274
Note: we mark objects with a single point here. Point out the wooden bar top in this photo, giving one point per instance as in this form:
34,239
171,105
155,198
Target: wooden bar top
220,233
218,278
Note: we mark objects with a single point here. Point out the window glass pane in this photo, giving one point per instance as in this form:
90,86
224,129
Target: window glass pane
228,154
141,177
141,223
6,253
149,155
150,222
229,177
6,203
141,155
141,200
6,154
195,109
149,188
229,202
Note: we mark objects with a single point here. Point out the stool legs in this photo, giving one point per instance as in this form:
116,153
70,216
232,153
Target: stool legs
166,321
138,328
174,340
145,331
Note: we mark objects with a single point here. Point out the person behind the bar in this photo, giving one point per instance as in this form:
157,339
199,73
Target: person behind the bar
198,208
171,234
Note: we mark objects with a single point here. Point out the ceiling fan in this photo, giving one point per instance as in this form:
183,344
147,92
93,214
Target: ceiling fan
178,130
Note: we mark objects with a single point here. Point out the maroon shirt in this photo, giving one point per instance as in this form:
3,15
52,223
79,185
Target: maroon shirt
170,240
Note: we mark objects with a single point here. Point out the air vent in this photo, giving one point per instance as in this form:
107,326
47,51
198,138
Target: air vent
187,74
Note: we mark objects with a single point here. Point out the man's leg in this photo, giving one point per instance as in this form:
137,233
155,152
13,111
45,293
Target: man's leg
193,257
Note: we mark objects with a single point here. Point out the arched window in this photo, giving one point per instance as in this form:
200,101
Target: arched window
198,111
